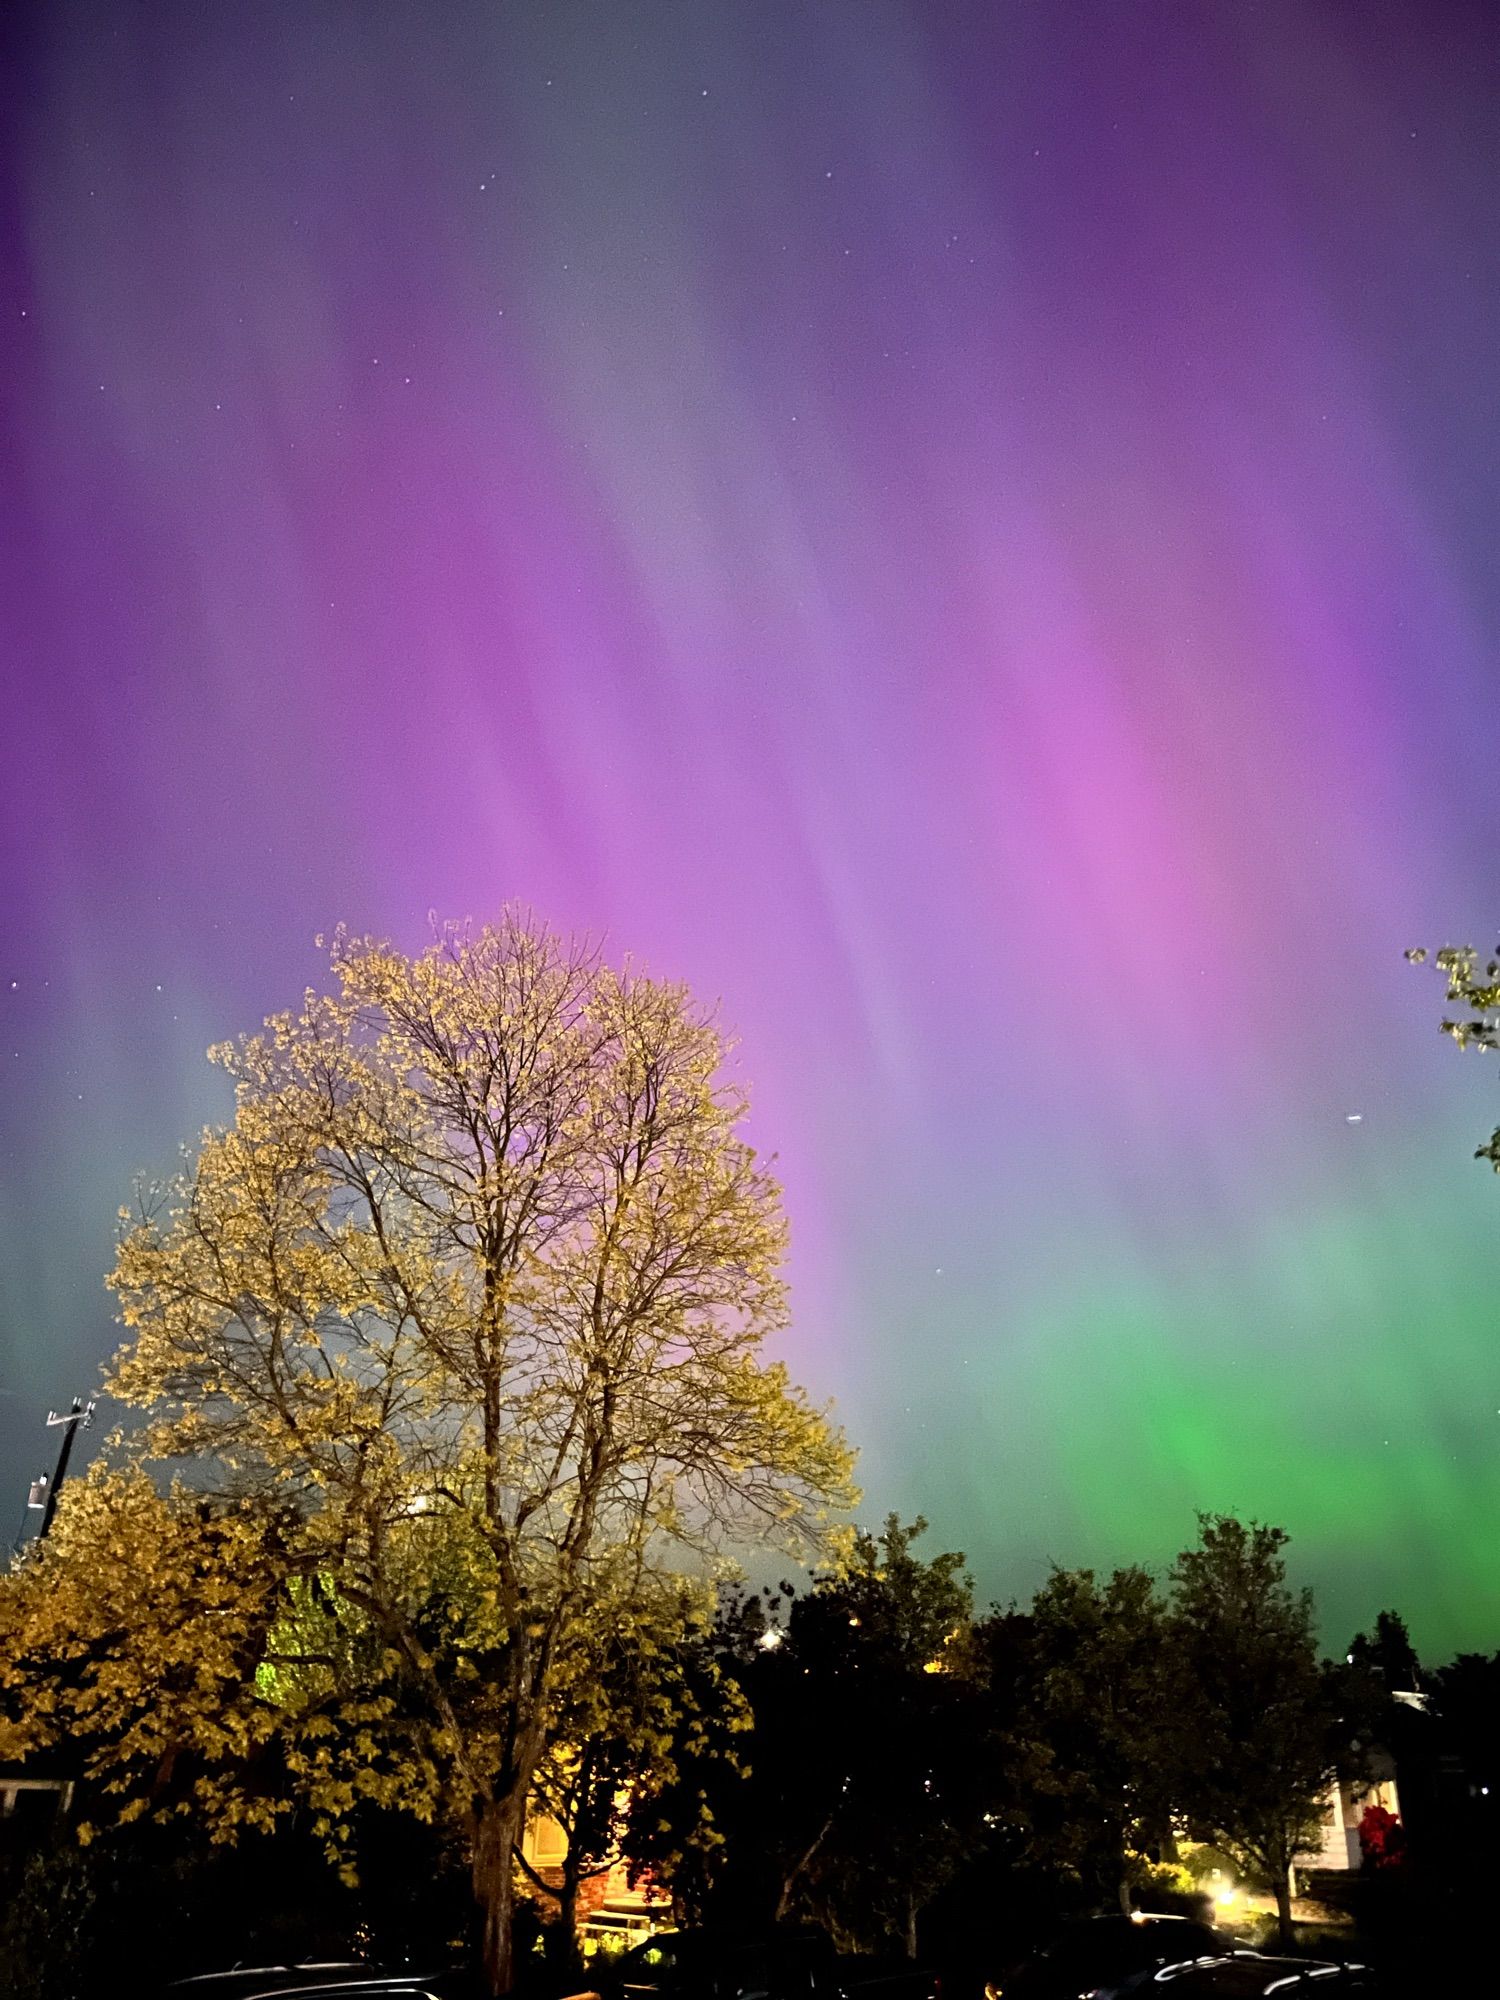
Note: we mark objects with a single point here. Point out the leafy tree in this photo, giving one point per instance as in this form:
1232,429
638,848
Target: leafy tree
683,1810
1388,1654
860,1785
130,1640
1258,1718
458,1327
50,1914
1099,1694
888,1765
1474,994
1466,1698
627,1713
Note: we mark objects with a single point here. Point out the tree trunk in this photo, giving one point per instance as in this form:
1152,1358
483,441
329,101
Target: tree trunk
1121,1855
911,1926
790,1880
497,1829
1284,1931
567,1916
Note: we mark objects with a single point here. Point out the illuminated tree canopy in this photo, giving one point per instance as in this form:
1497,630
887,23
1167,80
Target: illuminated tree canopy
456,1333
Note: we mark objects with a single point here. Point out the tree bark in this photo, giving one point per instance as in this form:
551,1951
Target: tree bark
497,1830
567,1915
789,1881
1285,1932
911,1926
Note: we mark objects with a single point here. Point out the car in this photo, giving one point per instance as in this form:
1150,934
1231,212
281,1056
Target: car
311,1980
1255,1976
394,1986
765,1965
1108,1956
1113,1958
242,1982
854,1976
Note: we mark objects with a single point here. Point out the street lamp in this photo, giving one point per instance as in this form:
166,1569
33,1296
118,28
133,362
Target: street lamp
44,1491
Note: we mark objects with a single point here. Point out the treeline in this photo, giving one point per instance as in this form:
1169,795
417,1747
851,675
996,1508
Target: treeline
868,1752
1117,1737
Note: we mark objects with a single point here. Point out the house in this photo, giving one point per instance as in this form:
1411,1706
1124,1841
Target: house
30,1802
609,1906
1348,1800
1344,1805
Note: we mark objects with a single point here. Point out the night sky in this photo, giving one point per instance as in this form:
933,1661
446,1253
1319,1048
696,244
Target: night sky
967,530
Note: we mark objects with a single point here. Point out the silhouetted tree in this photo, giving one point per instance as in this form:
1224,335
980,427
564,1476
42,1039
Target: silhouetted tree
862,1782
1100,1698
1256,1734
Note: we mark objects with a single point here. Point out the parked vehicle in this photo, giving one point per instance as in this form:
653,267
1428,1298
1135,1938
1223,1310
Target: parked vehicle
315,1980
244,1982
770,1965
1253,1976
314,1983
1113,1958
852,1976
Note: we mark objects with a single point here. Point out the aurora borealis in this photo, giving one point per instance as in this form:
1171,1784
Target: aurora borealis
965,528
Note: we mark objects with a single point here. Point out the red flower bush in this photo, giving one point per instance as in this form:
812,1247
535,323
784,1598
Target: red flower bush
1382,1838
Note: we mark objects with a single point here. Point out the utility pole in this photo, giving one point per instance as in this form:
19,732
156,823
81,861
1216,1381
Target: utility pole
44,1492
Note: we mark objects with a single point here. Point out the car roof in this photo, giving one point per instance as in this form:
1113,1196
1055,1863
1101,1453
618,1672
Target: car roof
310,1966
413,1984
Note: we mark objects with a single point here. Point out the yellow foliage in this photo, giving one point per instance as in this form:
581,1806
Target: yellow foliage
456,1334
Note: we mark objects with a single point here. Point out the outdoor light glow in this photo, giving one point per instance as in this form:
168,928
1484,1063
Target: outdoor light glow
964,539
